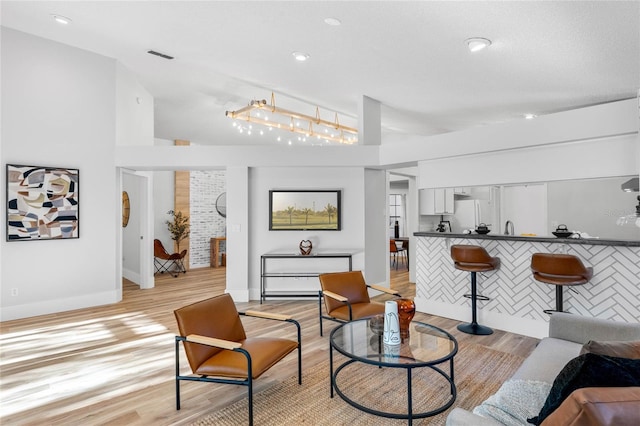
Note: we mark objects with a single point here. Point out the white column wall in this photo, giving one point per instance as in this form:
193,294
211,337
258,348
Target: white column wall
59,109
239,233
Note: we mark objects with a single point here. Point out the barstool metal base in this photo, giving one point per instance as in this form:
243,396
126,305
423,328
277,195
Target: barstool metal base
475,328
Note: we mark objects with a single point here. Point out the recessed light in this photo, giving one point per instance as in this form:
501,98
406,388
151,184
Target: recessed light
530,116
334,22
301,56
476,44
61,19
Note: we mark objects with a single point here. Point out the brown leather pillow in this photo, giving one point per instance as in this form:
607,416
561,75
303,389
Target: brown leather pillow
598,407
618,349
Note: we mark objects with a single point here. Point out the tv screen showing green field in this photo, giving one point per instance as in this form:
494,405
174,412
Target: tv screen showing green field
296,210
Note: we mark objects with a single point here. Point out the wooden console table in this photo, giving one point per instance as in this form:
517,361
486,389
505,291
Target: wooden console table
294,273
215,251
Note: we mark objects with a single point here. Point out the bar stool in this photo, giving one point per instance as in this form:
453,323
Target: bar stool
559,270
473,259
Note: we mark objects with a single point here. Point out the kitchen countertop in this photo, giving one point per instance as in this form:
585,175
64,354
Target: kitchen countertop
552,239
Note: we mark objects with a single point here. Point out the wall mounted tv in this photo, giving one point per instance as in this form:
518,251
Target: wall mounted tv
305,210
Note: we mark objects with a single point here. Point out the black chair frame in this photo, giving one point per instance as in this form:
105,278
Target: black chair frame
162,266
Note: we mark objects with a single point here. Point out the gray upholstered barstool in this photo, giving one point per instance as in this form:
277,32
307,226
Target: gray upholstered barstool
473,259
559,270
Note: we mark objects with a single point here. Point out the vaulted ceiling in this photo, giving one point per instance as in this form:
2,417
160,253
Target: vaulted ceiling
545,57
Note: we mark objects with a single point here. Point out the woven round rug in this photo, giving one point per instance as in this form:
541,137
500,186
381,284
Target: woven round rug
479,372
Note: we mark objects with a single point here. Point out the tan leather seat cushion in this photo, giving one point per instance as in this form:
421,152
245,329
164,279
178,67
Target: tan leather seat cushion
359,311
264,351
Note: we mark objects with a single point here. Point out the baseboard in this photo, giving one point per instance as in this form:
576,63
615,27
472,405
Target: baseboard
59,305
526,327
132,276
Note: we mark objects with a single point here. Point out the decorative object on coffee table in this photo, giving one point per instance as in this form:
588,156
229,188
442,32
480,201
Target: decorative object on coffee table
406,311
391,334
305,247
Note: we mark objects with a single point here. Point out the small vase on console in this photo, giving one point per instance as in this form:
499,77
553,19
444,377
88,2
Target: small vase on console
305,247
406,311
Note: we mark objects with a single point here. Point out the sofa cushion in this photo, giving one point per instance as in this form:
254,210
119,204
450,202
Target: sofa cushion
547,360
617,349
598,407
589,370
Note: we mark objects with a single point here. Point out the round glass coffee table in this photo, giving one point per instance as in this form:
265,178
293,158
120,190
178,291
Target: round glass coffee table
426,347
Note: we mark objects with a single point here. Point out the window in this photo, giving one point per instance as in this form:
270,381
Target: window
396,213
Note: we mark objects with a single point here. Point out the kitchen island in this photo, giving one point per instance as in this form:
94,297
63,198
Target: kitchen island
517,300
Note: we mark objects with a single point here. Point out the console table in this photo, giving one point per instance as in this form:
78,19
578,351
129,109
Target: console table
300,269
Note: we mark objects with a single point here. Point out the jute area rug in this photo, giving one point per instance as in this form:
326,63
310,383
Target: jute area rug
479,372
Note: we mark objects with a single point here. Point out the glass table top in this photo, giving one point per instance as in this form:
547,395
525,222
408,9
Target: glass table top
425,345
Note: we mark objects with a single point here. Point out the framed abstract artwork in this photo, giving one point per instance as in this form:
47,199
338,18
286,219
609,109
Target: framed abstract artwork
42,203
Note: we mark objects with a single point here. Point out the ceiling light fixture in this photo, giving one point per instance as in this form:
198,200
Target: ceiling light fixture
334,22
295,122
530,116
476,44
300,56
61,19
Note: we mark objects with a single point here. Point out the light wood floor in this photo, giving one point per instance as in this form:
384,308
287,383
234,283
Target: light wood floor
114,365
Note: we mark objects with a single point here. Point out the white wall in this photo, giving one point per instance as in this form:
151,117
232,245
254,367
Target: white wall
163,199
376,220
601,121
351,238
134,109
591,158
59,109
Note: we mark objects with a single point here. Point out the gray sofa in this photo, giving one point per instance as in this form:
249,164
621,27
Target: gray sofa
567,334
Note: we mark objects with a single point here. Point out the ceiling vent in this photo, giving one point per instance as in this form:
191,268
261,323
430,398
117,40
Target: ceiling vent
162,55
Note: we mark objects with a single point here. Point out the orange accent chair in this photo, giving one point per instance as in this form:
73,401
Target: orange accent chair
163,261
346,297
219,351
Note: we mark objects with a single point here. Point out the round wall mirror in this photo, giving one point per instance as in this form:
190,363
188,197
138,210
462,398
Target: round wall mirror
221,204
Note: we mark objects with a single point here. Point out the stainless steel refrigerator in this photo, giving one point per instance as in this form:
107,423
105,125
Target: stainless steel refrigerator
470,213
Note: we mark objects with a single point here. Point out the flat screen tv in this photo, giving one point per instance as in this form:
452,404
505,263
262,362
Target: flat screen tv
305,210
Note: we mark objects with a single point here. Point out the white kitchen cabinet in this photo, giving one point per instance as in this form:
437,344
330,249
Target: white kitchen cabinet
427,202
436,201
462,191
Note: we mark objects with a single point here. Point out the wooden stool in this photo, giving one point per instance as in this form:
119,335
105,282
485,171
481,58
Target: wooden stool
559,270
473,259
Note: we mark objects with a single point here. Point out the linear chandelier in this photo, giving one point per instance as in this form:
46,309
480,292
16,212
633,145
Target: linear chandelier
260,112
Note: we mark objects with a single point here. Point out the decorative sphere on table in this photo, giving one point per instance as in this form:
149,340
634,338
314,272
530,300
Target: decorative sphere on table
406,311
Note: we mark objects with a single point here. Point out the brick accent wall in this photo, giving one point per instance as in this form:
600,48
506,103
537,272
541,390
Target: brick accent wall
206,223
